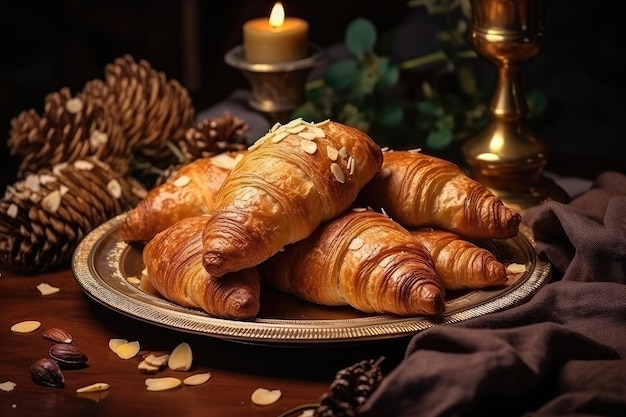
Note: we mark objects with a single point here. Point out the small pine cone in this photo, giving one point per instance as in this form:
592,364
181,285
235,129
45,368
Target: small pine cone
44,216
150,109
350,389
211,136
69,129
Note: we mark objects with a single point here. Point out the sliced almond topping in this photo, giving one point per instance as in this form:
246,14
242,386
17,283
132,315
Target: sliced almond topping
128,350
133,280
343,152
114,188
295,129
223,160
32,183
197,379
182,181
47,289
27,326
146,368
337,172
47,179
356,243
308,135
294,122
263,396
114,344
308,146
157,359
74,105
274,127
97,140
319,133
180,358
51,202
162,384
83,165
332,153
515,269
12,211
7,386
98,386
279,136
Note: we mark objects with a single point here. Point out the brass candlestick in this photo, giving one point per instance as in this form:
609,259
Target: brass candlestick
507,157
277,89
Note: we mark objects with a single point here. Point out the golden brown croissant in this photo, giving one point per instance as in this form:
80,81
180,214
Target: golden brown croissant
173,261
363,259
292,179
419,190
190,191
461,264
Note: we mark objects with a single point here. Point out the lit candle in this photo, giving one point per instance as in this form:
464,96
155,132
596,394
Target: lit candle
277,39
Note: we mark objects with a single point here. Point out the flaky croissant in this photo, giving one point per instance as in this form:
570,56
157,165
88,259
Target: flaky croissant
292,179
459,263
362,259
190,191
173,265
419,190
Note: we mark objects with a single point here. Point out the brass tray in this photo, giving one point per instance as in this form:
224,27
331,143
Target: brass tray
103,264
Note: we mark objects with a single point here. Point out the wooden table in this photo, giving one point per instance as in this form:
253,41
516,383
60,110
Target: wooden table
301,373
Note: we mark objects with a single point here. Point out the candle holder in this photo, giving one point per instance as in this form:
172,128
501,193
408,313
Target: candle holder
506,156
277,89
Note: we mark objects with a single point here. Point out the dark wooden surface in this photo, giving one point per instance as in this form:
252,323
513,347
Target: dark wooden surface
301,373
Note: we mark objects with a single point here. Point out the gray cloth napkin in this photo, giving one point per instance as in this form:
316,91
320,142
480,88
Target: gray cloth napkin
562,353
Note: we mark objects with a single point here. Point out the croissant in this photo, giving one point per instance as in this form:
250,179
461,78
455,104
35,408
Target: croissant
291,180
459,263
418,190
173,265
362,259
190,191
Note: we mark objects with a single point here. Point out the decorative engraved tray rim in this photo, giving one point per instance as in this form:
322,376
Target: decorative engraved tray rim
98,267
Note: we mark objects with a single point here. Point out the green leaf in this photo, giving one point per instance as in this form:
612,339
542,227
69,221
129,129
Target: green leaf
342,74
439,139
388,74
391,114
360,37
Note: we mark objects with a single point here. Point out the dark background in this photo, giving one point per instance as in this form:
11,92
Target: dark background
47,45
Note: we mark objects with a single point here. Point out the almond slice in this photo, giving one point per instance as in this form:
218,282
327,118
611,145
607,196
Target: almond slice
263,396
47,289
159,359
7,386
308,146
197,379
180,358
128,350
98,386
114,344
162,384
26,326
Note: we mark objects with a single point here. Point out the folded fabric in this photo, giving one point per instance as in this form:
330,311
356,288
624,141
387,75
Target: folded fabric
563,352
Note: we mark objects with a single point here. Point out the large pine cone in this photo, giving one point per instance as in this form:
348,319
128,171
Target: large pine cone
70,128
211,136
44,216
151,109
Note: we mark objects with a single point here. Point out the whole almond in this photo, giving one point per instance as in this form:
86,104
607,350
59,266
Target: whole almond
46,372
57,335
67,355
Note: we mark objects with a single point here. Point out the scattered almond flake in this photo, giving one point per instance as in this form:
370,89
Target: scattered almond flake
385,172
384,148
332,153
47,289
35,198
114,188
295,129
12,211
276,126
197,379
180,358
98,386
223,160
97,140
515,269
157,359
128,350
162,384
415,150
26,326
308,135
74,105
337,172
47,179
295,122
263,396
63,189
7,386
308,413
351,165
308,146
182,181
56,169
51,202
356,243
146,368
114,344
83,165
359,209
343,152
319,133
279,136
323,122
133,280
32,183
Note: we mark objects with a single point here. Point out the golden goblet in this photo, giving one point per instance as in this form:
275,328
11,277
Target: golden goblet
506,156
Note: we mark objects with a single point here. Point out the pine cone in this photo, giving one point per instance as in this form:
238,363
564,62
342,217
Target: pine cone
150,109
211,136
350,389
44,216
71,128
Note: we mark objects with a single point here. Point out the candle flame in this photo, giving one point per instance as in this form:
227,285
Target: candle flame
277,16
